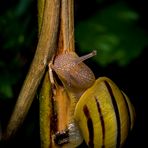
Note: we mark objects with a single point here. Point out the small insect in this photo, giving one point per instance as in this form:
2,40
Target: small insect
102,114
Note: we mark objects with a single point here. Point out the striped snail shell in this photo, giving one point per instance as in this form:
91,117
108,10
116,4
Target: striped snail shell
104,115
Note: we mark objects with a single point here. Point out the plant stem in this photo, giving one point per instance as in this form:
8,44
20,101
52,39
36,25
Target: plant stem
54,109
66,39
45,49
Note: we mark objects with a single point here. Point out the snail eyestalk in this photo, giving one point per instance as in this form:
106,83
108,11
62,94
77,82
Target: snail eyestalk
87,56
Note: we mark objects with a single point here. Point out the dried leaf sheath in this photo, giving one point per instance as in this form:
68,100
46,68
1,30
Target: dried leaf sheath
54,112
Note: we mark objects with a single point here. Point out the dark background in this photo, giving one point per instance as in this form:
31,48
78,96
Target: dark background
18,40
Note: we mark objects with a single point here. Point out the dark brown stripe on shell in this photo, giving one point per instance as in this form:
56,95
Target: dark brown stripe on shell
128,111
116,112
89,126
102,121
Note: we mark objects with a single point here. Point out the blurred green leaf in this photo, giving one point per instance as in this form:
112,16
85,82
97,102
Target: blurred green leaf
5,86
6,90
114,33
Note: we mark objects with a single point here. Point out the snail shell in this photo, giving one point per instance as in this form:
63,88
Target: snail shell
104,115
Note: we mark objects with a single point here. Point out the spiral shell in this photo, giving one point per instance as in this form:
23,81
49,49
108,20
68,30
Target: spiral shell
104,115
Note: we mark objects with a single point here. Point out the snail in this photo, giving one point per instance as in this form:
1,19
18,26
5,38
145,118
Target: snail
102,114
74,74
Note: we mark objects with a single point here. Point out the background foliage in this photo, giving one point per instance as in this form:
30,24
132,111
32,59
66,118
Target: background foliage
114,32
116,29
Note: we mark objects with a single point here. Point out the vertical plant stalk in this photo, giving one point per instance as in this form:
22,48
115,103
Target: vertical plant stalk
65,44
66,39
45,49
46,112
64,103
54,109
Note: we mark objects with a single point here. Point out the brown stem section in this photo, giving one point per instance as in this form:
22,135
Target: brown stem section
66,39
45,49
66,44
64,104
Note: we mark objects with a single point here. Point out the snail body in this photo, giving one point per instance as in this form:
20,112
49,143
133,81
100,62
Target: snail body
102,113
75,75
